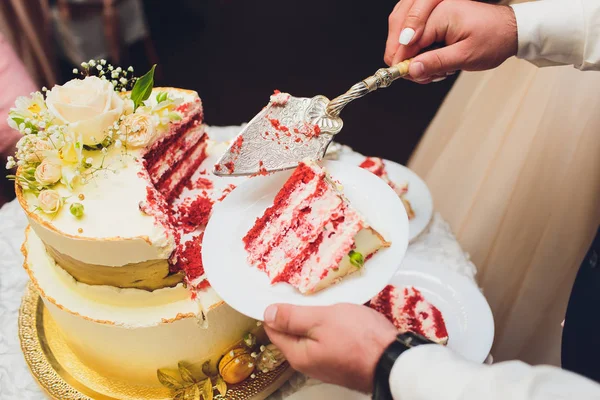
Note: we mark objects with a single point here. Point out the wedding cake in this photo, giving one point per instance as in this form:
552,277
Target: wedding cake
111,177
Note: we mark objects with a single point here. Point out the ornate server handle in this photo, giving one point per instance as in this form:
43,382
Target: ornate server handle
382,79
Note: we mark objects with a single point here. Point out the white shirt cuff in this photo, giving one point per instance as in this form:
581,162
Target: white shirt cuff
551,32
424,372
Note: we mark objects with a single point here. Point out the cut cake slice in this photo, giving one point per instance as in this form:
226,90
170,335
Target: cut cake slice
311,236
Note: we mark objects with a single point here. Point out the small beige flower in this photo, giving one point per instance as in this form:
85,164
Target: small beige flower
39,151
139,129
48,172
49,201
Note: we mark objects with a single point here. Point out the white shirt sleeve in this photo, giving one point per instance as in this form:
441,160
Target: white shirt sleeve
433,372
559,32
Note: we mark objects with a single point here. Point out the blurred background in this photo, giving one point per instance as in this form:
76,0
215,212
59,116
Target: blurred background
234,53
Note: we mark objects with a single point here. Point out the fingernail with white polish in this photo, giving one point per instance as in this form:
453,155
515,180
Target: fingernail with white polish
406,36
438,79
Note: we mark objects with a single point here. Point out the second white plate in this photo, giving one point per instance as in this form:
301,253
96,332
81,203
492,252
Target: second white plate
418,192
249,290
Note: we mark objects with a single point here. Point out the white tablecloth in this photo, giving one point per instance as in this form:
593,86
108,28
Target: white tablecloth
436,244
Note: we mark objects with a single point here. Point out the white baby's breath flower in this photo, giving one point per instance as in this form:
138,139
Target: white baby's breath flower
42,124
99,67
123,90
10,163
92,63
48,172
118,143
103,61
89,160
49,201
119,69
75,71
27,131
130,69
104,150
84,64
123,80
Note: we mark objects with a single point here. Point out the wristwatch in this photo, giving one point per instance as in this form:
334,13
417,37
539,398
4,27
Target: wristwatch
403,342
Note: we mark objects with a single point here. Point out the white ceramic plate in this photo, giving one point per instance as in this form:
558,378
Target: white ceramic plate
249,290
418,192
468,316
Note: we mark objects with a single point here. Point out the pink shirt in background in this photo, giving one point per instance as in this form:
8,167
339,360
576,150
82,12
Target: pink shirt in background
14,82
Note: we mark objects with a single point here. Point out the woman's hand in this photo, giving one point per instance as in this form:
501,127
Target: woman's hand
337,344
406,25
477,36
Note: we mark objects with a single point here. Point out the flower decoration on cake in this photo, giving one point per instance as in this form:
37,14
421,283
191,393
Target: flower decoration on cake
69,130
188,387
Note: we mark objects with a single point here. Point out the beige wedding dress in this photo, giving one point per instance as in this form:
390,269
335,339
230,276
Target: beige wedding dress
512,159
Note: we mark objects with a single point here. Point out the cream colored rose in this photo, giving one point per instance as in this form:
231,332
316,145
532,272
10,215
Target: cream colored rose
49,201
88,106
38,151
139,129
48,172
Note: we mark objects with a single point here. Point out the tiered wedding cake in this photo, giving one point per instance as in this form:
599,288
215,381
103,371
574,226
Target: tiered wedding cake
113,245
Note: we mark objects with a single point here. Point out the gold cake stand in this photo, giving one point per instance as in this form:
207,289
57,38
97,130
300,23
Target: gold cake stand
63,376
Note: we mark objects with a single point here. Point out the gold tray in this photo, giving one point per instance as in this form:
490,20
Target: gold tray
61,374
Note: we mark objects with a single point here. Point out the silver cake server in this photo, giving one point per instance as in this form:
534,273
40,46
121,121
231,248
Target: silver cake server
290,129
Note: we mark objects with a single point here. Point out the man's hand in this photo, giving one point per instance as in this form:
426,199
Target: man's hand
338,344
477,36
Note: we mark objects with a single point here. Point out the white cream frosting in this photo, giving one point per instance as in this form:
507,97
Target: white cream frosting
114,231
130,339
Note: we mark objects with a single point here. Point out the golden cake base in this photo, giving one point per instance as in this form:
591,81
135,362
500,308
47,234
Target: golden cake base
64,377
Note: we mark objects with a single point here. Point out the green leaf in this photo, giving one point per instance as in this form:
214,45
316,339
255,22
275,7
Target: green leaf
356,259
185,373
18,120
173,116
162,96
143,88
221,386
167,380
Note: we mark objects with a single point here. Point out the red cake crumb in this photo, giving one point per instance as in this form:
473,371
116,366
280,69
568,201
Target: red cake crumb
236,147
195,214
226,191
190,258
200,183
277,125
230,166
370,165
217,167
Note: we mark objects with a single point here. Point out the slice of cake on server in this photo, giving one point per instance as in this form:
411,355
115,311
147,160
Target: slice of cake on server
311,236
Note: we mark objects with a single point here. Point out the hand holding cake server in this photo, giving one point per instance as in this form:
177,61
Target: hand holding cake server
355,347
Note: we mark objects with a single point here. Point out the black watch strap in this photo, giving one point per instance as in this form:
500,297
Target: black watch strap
403,342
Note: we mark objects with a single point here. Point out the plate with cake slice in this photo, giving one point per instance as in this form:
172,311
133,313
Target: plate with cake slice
411,189
321,234
430,299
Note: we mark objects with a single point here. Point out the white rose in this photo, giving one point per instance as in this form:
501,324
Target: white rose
39,150
49,201
139,129
48,172
89,107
